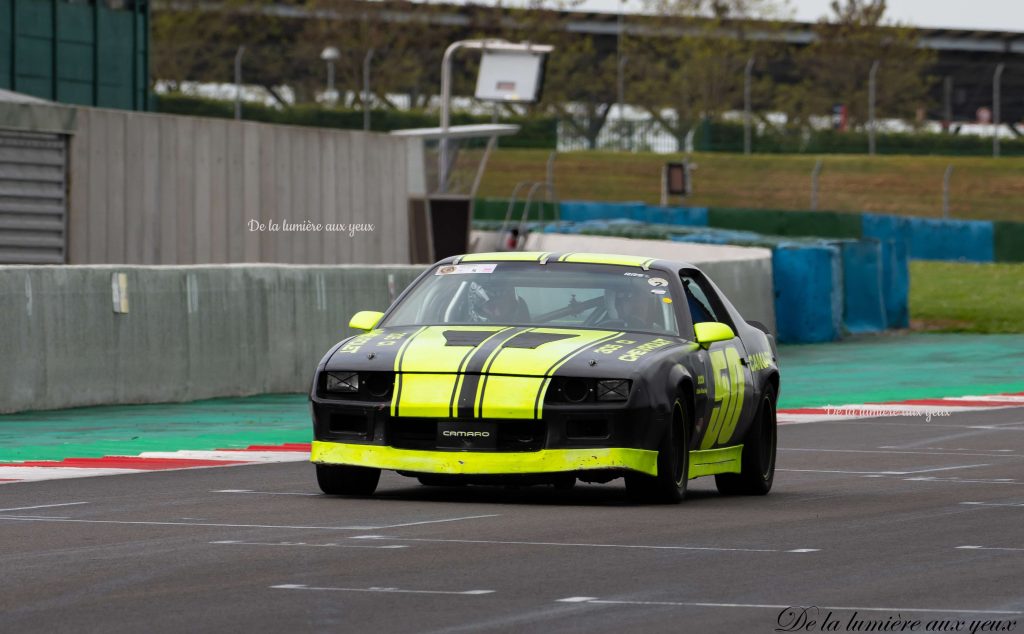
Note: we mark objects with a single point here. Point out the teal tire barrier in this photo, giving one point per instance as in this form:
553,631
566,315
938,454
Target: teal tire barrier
582,210
863,296
896,283
684,216
808,292
930,239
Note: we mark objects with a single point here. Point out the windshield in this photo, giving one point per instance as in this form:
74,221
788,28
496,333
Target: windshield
555,295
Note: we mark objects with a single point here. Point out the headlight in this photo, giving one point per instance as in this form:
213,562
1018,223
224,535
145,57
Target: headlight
579,390
613,389
345,382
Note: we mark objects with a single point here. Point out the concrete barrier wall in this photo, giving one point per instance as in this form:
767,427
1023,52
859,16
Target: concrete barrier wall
162,189
189,333
744,274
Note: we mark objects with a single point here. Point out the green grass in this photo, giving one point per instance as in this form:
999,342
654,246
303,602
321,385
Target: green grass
964,297
981,188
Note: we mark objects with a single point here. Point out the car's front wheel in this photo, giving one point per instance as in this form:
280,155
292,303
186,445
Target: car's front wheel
759,448
345,480
669,486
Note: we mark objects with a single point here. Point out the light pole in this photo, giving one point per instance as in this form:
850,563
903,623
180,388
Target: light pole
997,81
446,90
238,81
366,89
871,107
330,55
746,105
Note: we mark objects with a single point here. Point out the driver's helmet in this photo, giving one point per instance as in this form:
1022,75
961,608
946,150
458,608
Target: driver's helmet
492,302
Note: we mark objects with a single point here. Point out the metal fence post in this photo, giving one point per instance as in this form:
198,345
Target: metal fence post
945,190
871,107
238,81
366,89
997,81
746,105
815,173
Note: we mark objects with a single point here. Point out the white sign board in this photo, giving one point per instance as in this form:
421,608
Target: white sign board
511,76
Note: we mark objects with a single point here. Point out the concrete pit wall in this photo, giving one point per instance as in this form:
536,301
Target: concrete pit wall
190,332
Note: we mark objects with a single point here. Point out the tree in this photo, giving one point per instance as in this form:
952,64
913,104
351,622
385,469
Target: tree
693,69
835,67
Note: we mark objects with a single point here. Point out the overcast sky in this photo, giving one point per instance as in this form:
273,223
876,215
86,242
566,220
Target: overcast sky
988,15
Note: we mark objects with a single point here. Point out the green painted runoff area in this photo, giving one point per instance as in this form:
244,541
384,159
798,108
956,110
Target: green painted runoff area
859,370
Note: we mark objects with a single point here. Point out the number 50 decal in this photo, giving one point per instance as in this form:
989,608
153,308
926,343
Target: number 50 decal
729,385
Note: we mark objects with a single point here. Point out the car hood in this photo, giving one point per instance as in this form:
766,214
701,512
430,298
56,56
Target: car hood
519,351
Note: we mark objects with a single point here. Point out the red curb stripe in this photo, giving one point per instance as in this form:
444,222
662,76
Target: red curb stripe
285,447
952,402
126,462
806,410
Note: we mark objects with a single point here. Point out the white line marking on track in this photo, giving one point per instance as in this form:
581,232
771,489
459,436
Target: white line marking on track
914,453
267,492
238,543
41,506
219,525
783,607
580,545
966,466
1017,504
987,548
299,586
945,448
964,480
576,599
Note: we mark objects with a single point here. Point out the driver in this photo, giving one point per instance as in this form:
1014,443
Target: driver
632,307
496,302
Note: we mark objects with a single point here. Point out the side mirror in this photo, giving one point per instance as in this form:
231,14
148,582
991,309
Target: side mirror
365,320
709,332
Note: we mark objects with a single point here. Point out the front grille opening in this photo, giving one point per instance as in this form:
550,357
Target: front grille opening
521,435
412,433
349,424
587,428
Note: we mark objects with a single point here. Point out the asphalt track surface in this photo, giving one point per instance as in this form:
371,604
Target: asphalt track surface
869,520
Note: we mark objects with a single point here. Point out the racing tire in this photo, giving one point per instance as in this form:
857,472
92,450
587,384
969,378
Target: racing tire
759,450
669,486
345,480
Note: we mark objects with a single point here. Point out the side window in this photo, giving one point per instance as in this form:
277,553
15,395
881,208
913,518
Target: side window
702,303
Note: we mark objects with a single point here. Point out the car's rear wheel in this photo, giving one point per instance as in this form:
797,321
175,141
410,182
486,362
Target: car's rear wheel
345,480
759,448
669,486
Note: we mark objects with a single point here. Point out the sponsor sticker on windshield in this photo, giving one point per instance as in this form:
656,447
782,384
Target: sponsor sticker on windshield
464,269
657,281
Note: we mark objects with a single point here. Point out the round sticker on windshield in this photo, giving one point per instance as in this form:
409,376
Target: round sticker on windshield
657,281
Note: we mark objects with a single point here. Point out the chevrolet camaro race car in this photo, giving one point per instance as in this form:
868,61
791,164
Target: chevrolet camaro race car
545,368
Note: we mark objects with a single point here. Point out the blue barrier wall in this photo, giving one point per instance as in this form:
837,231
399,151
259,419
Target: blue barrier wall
931,239
581,210
863,297
896,283
688,216
808,295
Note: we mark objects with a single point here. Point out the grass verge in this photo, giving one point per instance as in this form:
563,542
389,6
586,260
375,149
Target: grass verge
981,188
966,297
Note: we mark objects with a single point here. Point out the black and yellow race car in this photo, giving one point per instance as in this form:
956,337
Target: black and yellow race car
529,368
